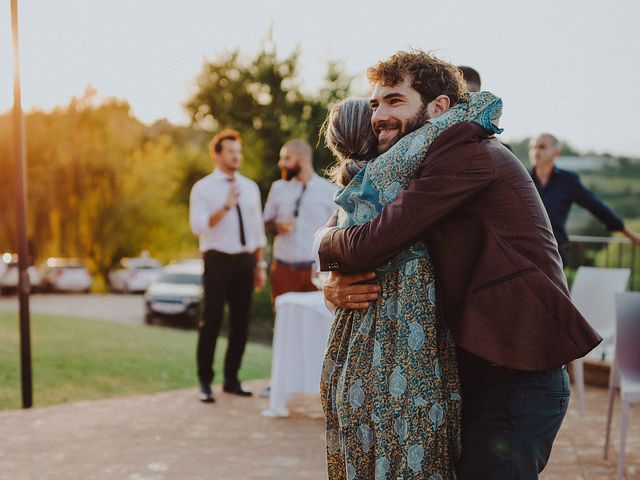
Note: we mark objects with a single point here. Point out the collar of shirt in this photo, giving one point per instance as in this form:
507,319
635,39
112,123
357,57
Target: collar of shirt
219,174
536,180
211,193
315,207
297,181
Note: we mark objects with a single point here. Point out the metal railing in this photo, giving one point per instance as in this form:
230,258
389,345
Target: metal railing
614,252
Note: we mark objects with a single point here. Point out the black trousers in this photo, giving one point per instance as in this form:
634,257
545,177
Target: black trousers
510,419
227,279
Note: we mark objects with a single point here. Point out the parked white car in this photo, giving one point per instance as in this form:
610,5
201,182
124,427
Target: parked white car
9,274
65,275
134,274
5,258
177,292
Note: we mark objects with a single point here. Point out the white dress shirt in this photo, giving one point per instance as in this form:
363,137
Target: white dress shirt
315,207
209,195
317,241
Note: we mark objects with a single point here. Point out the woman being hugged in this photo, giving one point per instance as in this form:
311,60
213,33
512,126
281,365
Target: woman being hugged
390,386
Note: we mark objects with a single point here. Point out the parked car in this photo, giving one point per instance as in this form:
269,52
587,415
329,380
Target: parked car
134,274
177,293
5,258
65,275
9,274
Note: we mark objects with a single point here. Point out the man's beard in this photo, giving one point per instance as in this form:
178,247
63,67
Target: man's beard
409,126
289,173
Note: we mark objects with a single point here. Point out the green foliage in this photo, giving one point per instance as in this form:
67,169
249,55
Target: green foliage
620,191
520,149
102,185
262,316
624,166
603,255
79,359
75,159
7,186
262,99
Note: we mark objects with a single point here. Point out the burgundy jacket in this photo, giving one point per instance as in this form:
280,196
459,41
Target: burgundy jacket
499,277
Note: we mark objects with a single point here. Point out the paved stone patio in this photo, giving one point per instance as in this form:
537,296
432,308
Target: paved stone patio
578,451
172,436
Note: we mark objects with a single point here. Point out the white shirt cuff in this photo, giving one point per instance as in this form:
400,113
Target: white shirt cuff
317,240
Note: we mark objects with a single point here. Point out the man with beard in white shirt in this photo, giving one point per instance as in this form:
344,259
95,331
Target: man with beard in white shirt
297,205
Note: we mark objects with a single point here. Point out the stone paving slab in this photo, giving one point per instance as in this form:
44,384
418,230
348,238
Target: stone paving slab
173,436
164,436
579,447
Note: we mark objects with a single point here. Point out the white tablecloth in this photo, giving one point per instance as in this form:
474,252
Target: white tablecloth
300,335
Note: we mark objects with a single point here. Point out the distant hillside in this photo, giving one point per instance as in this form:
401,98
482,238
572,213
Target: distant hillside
582,162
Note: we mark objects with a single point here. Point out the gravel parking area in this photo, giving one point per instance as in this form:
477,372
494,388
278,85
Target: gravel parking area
119,308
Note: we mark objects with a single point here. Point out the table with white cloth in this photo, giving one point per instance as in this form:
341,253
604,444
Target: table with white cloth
300,336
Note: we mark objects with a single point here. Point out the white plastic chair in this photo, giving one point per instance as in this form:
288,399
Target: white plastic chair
625,374
593,293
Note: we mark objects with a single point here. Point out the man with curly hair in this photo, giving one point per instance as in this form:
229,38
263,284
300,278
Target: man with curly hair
414,93
499,279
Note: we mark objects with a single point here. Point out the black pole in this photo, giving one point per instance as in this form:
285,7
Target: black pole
23,249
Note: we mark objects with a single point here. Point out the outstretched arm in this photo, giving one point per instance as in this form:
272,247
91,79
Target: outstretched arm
586,199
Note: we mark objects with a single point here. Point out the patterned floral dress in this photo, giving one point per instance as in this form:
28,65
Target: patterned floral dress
390,385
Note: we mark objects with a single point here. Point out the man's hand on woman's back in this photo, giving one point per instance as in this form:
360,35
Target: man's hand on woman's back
346,290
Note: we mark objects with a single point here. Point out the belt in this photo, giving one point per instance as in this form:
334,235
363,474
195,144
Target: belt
217,253
295,265
477,364
494,367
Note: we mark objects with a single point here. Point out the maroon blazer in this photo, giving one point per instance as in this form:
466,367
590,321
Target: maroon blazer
499,276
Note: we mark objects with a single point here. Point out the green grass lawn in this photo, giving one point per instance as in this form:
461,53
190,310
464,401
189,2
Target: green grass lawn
78,359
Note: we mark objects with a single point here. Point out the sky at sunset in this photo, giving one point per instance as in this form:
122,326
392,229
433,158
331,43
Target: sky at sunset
566,67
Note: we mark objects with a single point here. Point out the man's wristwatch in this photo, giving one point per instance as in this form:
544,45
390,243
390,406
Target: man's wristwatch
261,264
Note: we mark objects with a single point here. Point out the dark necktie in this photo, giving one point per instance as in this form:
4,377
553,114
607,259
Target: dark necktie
243,240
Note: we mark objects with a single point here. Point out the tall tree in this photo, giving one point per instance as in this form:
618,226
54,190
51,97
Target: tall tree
262,98
8,191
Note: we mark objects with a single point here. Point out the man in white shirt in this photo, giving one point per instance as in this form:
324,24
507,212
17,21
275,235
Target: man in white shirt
225,213
296,207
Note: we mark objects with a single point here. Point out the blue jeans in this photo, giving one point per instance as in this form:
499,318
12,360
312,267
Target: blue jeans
510,419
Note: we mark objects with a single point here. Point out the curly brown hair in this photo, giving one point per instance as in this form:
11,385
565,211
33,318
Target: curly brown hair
429,75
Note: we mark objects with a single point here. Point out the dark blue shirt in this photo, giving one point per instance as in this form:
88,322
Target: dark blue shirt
562,190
